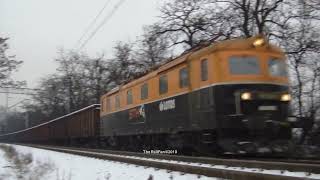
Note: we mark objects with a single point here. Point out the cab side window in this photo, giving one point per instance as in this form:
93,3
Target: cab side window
144,91
117,101
108,104
204,70
163,84
103,105
129,96
184,77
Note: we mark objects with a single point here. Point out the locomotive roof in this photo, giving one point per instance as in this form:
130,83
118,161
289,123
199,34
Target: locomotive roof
198,51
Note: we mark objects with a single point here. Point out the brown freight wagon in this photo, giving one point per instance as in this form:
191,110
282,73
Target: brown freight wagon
79,127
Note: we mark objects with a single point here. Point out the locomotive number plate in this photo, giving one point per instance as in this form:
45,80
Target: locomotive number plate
268,96
267,108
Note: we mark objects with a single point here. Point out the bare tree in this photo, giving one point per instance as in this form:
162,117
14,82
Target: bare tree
302,44
78,82
251,17
52,100
152,49
187,22
69,71
122,66
192,21
95,75
8,64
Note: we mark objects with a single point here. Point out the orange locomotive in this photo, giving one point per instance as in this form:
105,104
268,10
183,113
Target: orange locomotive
227,97
230,96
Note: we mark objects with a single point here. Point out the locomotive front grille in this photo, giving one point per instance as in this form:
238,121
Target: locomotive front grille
265,105
267,109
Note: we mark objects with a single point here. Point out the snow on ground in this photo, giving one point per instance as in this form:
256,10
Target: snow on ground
50,165
304,174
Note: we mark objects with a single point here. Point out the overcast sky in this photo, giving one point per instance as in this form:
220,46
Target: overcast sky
37,28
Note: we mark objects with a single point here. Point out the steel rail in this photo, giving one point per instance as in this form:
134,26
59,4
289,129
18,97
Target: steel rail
276,164
151,161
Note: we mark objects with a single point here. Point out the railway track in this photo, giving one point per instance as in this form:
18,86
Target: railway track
212,167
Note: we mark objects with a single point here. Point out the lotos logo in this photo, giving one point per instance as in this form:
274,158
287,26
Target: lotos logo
166,105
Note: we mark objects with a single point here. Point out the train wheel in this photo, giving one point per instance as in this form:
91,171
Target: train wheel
112,141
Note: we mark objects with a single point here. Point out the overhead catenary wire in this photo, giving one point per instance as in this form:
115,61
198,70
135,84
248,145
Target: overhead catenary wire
107,17
92,23
20,88
1,92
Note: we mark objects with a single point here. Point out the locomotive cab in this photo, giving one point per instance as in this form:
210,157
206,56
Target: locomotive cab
255,89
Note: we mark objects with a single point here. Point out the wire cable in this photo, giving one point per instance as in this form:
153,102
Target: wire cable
108,17
20,88
92,23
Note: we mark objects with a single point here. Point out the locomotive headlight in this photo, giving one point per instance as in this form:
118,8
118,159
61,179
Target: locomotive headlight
246,96
285,97
258,42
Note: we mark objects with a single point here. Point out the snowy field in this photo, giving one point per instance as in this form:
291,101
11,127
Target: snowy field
27,163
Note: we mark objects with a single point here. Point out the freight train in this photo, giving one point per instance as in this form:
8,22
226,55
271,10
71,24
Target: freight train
225,97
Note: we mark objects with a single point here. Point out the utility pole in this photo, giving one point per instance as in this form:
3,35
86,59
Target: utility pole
6,110
27,121
6,90
7,98
16,90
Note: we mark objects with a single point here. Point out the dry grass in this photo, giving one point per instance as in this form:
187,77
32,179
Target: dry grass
22,166
63,175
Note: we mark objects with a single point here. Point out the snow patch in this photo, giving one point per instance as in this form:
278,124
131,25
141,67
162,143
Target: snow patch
74,167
